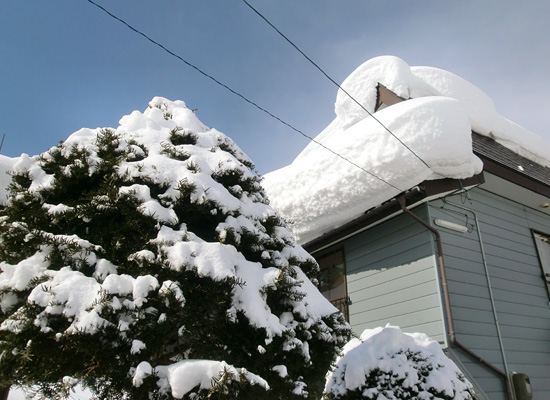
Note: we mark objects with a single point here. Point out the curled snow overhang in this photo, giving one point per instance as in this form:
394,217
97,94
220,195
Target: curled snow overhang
497,158
320,194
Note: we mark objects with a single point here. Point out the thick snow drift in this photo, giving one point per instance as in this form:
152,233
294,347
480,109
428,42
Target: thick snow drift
320,191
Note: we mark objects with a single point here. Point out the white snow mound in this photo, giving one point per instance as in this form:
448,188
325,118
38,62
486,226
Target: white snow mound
320,190
400,356
182,377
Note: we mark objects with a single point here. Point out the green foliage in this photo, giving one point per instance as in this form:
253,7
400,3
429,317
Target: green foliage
174,152
87,221
180,136
225,145
234,180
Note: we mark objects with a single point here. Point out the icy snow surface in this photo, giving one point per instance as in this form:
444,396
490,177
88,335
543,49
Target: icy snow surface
320,191
383,349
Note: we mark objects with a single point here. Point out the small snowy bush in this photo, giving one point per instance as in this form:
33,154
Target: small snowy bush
145,263
387,364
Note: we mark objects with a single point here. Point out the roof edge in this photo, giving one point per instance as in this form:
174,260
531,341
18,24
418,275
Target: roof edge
513,176
420,193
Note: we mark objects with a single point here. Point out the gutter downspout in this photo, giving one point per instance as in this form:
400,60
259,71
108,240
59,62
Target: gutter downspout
486,267
447,298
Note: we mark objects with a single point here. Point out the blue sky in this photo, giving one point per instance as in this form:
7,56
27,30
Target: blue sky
66,65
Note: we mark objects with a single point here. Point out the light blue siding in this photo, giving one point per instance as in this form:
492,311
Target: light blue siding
392,278
521,300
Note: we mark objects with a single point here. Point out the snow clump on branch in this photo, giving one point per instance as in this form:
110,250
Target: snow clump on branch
133,254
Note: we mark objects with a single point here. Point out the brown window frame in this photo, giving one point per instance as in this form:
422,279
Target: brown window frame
544,260
340,302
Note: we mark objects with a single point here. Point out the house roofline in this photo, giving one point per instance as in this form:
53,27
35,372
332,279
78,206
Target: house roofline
494,157
418,194
513,176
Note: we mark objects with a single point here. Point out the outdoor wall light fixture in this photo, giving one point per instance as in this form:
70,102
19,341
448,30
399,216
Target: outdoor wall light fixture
450,225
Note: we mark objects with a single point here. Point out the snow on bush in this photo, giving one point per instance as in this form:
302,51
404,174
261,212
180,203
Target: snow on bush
387,364
131,257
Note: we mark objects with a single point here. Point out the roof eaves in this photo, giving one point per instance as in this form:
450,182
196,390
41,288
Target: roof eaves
507,164
497,159
423,192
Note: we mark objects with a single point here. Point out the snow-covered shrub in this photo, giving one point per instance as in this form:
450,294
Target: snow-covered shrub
387,364
145,262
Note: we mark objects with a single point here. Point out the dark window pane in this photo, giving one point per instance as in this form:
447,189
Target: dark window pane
332,280
543,247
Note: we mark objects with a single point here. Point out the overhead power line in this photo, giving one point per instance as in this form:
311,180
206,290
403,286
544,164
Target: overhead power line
332,80
238,94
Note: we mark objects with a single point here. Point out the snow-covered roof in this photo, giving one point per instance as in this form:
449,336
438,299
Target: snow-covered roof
320,191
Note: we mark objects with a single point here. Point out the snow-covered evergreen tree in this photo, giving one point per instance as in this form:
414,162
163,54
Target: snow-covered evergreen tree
145,262
385,363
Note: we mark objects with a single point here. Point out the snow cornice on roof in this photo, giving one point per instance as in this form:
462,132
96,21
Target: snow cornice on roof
497,160
320,194
496,157
491,152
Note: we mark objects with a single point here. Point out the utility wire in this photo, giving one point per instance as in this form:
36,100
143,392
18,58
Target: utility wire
333,81
239,94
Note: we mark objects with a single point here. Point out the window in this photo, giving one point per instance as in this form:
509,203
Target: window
543,248
332,280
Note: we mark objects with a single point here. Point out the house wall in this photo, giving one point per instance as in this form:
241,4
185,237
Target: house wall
391,278
520,297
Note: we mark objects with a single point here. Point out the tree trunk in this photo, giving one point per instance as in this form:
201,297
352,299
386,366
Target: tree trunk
4,393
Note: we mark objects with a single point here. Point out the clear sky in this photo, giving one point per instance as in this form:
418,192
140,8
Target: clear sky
66,64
